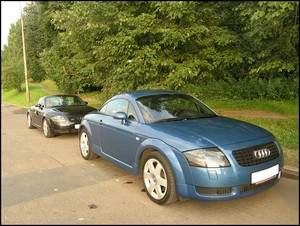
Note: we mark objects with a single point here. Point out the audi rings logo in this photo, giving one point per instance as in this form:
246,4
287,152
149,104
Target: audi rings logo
262,153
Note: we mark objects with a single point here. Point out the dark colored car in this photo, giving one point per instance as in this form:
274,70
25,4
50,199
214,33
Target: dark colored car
180,147
57,114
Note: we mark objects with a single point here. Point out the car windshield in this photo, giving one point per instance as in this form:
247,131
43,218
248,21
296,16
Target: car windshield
172,107
55,101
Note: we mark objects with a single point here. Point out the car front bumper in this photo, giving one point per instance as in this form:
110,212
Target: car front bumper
226,193
65,129
216,184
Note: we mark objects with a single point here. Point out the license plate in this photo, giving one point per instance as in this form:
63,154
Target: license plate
264,175
77,126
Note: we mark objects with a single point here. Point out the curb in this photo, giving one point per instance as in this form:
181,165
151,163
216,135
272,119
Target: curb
290,172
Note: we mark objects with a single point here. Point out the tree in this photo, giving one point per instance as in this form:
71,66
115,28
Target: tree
126,45
168,44
72,60
36,39
12,67
271,30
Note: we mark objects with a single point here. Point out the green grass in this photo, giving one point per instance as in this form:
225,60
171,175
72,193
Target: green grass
94,99
17,98
285,130
49,84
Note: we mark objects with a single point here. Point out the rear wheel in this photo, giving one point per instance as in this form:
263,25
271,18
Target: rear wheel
46,129
159,180
84,145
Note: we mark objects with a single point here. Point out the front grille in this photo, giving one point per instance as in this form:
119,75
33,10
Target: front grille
214,191
75,118
253,187
246,157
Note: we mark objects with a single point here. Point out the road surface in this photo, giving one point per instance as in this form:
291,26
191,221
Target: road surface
46,181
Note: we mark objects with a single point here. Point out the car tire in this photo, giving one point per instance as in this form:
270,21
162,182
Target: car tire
84,145
158,179
29,122
46,129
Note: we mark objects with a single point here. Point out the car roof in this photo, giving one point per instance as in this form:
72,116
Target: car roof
141,93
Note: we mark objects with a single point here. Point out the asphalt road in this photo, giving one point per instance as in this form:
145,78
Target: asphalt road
46,181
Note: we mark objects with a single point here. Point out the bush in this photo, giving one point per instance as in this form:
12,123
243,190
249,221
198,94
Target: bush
247,89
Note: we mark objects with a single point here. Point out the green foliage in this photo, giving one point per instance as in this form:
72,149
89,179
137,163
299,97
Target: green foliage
271,31
167,43
49,84
247,89
71,61
36,40
230,49
12,67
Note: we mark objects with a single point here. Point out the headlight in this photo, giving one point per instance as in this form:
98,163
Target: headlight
60,120
209,157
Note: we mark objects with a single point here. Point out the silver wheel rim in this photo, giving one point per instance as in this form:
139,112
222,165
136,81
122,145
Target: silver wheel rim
45,127
28,120
84,144
155,179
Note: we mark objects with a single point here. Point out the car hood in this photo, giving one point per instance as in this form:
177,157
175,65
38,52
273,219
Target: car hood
74,110
206,132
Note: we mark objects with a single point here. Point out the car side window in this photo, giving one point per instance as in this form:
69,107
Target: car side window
131,114
118,105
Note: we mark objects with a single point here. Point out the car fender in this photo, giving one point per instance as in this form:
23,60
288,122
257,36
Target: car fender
48,119
86,125
182,175
29,112
50,122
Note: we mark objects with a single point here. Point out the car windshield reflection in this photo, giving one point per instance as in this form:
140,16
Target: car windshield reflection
172,107
63,100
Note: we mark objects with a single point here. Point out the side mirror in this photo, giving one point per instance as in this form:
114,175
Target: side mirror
121,116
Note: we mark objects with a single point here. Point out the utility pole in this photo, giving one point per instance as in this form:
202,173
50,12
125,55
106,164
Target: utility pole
24,57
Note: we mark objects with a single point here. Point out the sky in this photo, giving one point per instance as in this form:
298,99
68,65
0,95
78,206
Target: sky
10,13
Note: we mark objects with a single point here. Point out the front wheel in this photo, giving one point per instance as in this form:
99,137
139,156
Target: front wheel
84,145
46,129
158,178
29,122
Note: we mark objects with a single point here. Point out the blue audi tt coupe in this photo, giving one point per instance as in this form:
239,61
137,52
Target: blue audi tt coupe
180,147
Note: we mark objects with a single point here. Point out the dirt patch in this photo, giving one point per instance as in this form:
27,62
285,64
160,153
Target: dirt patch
255,114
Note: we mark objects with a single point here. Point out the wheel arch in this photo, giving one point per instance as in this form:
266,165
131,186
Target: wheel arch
155,145
85,125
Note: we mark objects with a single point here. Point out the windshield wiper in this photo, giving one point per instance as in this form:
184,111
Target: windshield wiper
199,117
183,118
168,120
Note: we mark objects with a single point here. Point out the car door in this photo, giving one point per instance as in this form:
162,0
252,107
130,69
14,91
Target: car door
117,137
37,112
